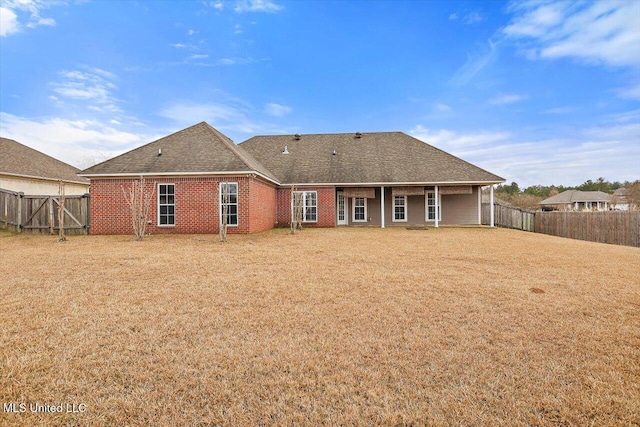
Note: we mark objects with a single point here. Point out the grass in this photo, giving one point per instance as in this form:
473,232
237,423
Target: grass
352,326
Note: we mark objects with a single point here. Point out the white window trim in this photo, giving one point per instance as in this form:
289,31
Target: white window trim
166,204
353,209
304,206
426,207
406,210
220,203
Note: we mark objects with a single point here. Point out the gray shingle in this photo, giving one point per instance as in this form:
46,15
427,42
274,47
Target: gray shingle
18,159
573,196
197,149
380,157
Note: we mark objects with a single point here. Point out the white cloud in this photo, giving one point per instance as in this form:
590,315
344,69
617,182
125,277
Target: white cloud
226,61
472,18
92,85
178,45
276,110
191,32
30,9
610,150
475,64
237,29
220,116
561,110
442,108
72,141
631,92
256,6
453,17
200,56
450,140
604,32
506,99
8,22
47,22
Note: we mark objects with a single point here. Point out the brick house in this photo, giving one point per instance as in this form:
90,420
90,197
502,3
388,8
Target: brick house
381,179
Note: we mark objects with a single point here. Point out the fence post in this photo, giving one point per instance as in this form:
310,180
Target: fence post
51,217
87,212
20,211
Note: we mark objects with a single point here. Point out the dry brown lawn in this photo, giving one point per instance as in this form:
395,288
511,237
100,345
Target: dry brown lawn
350,326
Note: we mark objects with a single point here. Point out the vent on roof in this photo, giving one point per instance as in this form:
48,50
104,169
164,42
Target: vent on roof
358,135
334,152
297,136
286,150
159,152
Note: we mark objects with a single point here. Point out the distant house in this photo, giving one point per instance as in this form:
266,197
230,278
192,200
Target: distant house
378,179
575,200
28,171
620,199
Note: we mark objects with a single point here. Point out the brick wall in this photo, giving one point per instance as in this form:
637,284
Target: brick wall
262,206
326,207
197,209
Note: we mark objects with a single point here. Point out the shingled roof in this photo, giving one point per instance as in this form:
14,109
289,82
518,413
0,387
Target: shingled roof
19,160
198,149
368,158
573,196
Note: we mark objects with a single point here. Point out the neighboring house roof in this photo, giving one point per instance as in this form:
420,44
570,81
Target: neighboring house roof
199,149
621,193
573,196
372,158
486,198
19,160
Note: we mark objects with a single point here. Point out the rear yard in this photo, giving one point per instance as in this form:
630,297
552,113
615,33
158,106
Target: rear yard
336,326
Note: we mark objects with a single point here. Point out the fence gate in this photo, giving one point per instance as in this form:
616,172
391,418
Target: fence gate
38,214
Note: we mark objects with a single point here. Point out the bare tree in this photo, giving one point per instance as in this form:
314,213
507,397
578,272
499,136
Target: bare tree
138,198
61,201
297,206
224,208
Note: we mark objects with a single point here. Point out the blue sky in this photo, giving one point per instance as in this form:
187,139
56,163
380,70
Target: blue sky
539,92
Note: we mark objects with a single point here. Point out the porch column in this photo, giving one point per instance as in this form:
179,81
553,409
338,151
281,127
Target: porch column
492,208
382,207
437,207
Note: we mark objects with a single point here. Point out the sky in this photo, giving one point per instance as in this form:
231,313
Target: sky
538,92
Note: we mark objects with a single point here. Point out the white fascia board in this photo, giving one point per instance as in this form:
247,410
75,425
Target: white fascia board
44,178
389,184
162,174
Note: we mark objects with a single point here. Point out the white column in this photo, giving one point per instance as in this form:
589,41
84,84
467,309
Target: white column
437,207
382,207
492,208
479,205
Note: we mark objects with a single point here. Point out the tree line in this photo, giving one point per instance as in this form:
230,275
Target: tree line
546,191
529,197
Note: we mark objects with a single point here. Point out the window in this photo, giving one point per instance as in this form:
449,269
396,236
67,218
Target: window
166,204
400,208
309,205
231,202
431,207
359,209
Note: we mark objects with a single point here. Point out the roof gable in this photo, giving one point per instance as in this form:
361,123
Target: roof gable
196,149
573,196
18,159
379,157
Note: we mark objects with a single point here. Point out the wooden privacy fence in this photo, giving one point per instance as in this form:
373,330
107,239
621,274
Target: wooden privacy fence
38,214
614,227
508,217
618,228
